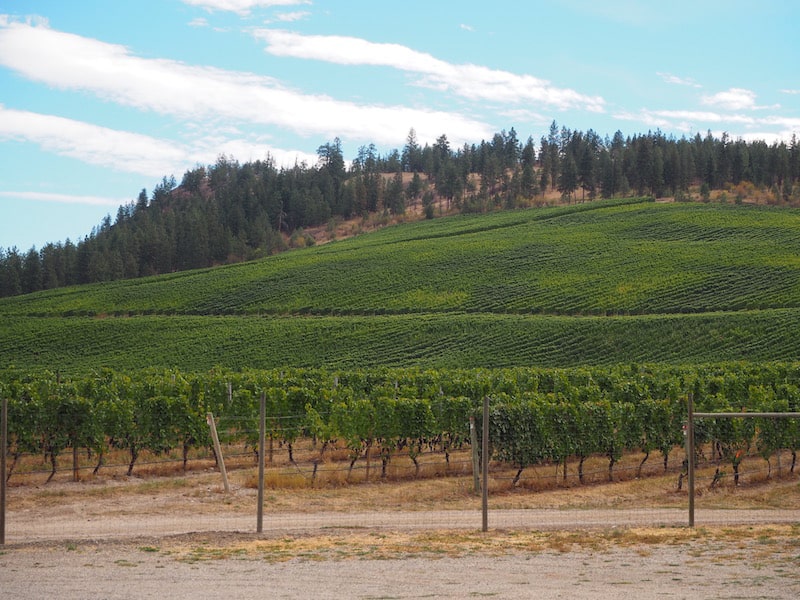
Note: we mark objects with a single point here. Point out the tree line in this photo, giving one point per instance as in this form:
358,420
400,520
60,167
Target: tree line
229,212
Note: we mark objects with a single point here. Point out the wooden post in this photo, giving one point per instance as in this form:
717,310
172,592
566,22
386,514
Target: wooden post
3,449
690,452
75,470
218,450
271,448
485,464
476,458
262,434
366,455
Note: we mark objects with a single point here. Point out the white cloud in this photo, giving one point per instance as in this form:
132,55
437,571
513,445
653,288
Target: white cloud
65,198
702,116
120,150
466,27
788,123
198,22
241,7
683,120
732,99
523,115
694,121
674,79
768,137
245,150
288,17
467,80
132,152
736,99
195,93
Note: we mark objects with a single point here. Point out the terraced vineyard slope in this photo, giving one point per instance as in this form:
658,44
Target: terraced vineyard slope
595,283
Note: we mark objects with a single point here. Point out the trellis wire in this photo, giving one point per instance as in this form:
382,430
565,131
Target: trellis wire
690,441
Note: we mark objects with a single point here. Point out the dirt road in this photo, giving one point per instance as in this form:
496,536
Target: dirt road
75,527
72,557
76,541
127,571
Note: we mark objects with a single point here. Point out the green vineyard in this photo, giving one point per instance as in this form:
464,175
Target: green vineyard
538,416
438,340
628,257
586,325
591,284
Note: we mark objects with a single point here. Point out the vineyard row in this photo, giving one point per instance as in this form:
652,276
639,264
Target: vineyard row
536,415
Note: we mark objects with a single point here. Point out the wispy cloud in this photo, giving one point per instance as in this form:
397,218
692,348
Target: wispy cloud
523,115
466,27
119,150
698,120
132,152
734,99
674,79
789,125
64,198
470,81
289,17
194,93
241,7
682,120
734,111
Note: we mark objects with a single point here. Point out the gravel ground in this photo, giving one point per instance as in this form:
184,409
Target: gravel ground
72,525
116,571
96,546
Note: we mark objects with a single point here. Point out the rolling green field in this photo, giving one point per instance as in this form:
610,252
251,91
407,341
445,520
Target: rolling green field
591,284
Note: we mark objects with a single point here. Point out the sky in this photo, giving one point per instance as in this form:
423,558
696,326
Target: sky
99,100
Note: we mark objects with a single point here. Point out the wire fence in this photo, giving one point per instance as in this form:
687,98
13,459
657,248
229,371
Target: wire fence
310,485
166,496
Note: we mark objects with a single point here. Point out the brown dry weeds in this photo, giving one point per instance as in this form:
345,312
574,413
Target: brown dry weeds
434,485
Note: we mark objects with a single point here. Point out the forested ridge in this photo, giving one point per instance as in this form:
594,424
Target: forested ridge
228,212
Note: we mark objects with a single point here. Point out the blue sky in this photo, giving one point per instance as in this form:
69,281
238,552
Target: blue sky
100,99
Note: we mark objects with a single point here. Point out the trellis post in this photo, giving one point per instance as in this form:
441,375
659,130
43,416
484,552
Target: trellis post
3,449
690,453
485,464
476,460
720,415
262,434
218,449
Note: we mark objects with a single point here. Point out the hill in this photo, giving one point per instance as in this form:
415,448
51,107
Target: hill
229,212
588,284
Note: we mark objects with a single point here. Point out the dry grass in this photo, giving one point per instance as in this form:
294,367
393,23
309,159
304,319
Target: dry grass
433,484
163,491
745,542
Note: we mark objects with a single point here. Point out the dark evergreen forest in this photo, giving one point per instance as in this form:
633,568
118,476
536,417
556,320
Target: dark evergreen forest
229,212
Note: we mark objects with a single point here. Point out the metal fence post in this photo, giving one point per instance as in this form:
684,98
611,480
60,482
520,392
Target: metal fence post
3,449
485,464
690,452
476,459
262,434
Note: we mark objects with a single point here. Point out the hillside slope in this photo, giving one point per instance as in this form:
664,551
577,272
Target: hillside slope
594,283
